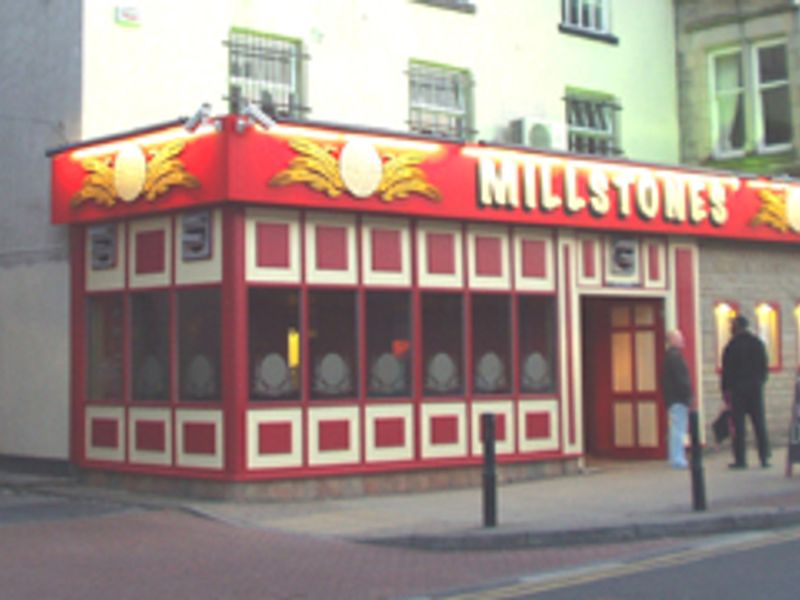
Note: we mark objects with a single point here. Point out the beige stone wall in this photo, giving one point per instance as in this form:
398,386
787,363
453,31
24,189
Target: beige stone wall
703,26
749,273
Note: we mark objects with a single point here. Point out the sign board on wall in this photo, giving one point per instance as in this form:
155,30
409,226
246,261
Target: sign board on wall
315,167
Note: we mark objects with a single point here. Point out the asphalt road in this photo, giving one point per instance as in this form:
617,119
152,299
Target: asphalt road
741,567
68,547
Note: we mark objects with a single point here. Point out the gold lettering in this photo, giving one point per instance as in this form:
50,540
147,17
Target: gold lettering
574,202
622,183
550,201
599,202
502,189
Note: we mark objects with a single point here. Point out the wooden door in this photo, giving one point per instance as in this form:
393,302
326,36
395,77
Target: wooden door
622,355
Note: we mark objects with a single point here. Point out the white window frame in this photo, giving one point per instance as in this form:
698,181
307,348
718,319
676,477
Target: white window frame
608,133
428,106
712,92
759,87
271,80
572,17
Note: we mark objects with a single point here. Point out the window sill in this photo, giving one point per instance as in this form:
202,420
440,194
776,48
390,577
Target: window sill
450,5
597,36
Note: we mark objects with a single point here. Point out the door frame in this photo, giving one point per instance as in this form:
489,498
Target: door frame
598,402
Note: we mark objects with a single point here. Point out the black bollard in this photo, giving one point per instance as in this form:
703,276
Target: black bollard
489,472
698,482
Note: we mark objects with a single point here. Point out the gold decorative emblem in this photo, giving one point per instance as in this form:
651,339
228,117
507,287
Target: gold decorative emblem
359,169
132,172
779,210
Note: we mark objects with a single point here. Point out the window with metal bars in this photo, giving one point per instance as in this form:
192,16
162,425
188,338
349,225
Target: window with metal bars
265,70
440,100
593,127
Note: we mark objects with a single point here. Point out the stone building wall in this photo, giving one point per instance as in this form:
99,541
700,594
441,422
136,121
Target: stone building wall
750,273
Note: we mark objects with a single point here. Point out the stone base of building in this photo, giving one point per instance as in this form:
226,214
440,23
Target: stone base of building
327,487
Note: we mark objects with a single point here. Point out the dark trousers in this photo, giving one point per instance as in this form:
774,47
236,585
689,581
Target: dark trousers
749,402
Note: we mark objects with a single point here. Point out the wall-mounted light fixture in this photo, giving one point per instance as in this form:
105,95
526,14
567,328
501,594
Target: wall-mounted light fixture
198,118
253,114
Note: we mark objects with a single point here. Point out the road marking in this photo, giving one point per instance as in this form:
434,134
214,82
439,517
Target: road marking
537,584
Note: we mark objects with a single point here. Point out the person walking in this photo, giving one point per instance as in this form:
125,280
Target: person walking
744,373
677,397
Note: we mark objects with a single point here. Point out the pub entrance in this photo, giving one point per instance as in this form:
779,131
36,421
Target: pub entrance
623,416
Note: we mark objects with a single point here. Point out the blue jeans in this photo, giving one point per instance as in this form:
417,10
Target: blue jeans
678,420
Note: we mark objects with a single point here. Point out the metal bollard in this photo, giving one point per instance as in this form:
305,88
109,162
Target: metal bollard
698,482
489,471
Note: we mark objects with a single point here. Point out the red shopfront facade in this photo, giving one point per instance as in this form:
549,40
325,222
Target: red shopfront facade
255,303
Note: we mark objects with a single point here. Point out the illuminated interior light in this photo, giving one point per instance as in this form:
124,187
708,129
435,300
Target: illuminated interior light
159,137
293,347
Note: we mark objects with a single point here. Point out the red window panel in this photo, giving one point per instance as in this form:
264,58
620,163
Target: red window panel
444,430
275,438
386,250
151,436
653,262
589,258
389,432
150,252
499,428
199,438
334,435
331,245
272,245
105,433
441,253
488,256
537,426
534,258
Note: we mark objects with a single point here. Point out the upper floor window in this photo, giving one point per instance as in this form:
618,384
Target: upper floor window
461,5
593,127
728,102
750,104
265,70
590,17
773,106
440,100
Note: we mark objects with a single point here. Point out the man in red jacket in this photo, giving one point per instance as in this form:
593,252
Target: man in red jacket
744,372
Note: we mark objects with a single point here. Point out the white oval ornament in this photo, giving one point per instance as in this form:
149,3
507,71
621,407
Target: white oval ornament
361,168
130,169
793,209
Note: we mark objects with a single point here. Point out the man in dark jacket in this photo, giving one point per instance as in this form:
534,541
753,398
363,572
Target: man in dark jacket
744,372
677,397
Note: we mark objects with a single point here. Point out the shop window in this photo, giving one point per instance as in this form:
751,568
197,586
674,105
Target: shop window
766,82
724,313
442,343
265,70
593,123
388,344
105,339
199,344
332,343
768,328
537,344
150,346
440,100
491,343
274,343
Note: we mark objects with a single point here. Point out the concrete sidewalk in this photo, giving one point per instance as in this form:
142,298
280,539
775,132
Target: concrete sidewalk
610,501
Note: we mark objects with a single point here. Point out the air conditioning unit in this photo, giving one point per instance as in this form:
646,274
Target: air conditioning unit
536,132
